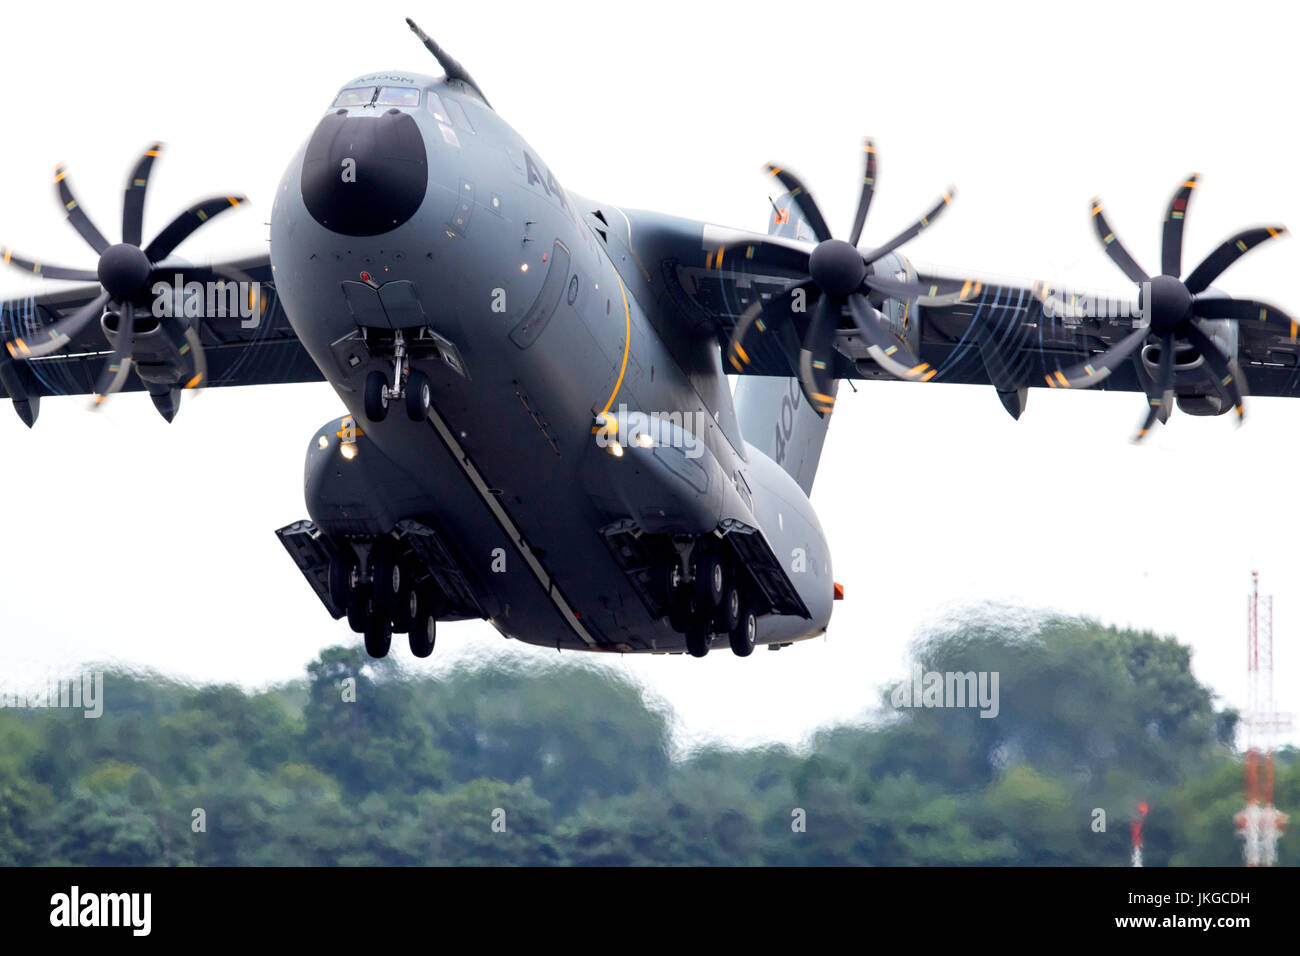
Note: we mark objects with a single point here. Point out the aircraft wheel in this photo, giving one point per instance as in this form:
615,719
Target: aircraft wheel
424,625
376,396
419,396
406,606
728,615
342,567
698,637
745,634
385,574
379,632
360,603
709,580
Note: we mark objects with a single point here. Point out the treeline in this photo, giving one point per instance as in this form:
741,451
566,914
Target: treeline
359,764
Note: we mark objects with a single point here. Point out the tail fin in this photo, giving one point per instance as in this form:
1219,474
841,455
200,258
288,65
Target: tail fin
774,415
777,420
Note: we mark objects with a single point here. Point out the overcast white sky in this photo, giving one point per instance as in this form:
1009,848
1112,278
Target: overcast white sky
152,545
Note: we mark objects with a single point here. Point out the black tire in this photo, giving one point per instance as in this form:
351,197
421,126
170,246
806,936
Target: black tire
378,633
376,396
385,574
424,627
698,637
728,614
406,606
744,635
419,396
424,633
359,608
340,576
709,579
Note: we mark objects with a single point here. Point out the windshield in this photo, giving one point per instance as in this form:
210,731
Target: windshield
398,96
355,96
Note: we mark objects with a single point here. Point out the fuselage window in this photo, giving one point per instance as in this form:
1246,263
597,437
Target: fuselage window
398,96
356,96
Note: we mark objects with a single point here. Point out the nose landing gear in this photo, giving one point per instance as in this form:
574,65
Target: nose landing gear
410,386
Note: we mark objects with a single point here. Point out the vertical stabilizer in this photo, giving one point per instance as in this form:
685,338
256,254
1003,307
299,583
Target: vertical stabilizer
775,417
777,420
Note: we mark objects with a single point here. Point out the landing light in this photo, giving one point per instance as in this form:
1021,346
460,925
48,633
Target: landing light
524,267
645,440
322,442
348,450
615,449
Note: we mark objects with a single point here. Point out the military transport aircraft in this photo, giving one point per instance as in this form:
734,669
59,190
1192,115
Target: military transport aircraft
541,431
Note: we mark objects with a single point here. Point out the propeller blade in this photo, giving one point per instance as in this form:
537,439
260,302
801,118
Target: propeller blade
938,293
1149,386
1114,248
194,348
12,258
1161,393
1098,368
914,229
803,199
817,357
55,336
76,215
868,187
1171,239
883,346
133,197
1245,310
113,377
1223,368
1214,265
762,317
183,226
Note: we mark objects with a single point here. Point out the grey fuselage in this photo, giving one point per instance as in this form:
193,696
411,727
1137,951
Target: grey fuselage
507,465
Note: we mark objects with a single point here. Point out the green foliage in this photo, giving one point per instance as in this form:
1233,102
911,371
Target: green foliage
360,764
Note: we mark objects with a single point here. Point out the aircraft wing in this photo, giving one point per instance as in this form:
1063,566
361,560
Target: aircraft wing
1011,335
249,345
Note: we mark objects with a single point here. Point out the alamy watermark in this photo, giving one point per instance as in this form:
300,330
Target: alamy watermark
949,689
213,300
85,693
1065,303
669,429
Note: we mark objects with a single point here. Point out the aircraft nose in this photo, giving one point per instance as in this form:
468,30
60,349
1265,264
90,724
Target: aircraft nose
364,175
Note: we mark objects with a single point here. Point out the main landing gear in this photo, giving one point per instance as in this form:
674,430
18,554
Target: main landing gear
409,386
383,597
705,597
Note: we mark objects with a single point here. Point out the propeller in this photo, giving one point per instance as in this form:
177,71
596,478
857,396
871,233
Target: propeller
838,275
126,273
1172,307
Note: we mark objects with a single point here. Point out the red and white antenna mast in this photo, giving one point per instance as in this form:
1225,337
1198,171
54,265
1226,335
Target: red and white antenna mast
1135,828
1260,823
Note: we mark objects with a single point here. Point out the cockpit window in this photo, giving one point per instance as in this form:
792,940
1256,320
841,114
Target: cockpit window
356,96
436,108
398,96
458,114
